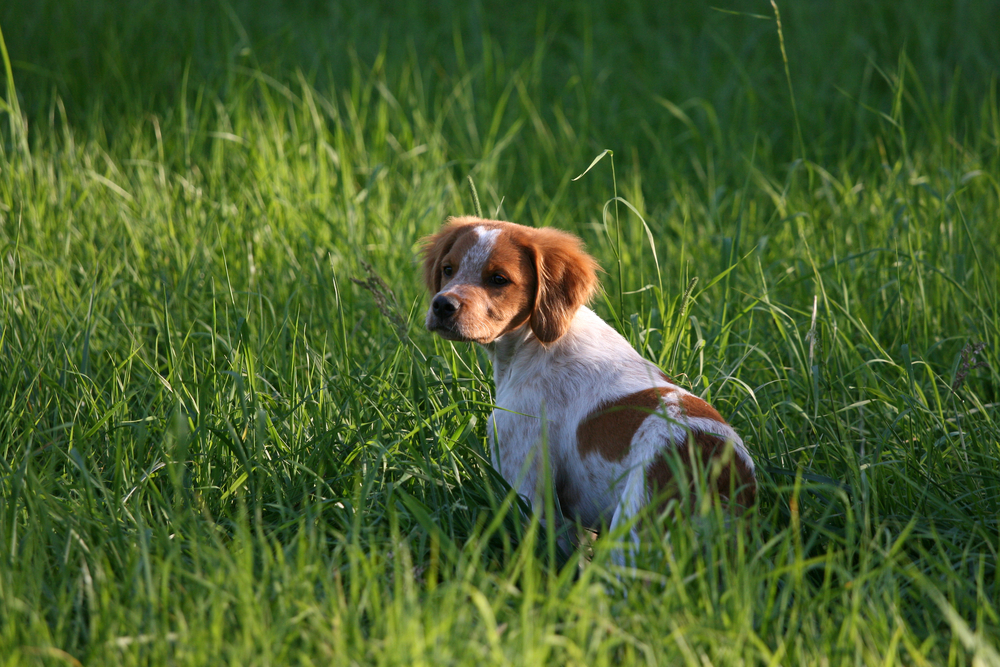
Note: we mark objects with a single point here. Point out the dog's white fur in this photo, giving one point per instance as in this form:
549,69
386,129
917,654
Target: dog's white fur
554,358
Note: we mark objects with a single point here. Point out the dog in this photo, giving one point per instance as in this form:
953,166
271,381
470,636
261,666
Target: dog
570,385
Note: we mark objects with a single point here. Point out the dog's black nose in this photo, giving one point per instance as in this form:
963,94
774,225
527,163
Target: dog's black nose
443,307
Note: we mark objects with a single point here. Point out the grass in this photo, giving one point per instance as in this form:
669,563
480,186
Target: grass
225,434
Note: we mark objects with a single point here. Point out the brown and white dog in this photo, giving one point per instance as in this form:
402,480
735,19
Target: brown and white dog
611,416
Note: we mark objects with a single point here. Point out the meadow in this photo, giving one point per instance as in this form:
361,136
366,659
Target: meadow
226,437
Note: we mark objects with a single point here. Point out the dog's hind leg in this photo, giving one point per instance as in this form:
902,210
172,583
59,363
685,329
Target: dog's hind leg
634,497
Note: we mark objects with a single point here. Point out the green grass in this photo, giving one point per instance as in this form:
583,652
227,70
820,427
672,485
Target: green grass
223,439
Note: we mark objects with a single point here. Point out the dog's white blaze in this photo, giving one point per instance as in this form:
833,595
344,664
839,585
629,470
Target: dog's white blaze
471,267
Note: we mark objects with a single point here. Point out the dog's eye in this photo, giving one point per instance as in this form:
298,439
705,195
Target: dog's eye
447,271
498,279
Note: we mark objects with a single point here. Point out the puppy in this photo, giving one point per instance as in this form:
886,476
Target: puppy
611,418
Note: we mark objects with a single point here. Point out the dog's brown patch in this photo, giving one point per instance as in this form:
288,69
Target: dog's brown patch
728,475
567,278
436,246
695,407
608,430
511,305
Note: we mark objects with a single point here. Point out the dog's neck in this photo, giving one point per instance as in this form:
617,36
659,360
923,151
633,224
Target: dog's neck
518,345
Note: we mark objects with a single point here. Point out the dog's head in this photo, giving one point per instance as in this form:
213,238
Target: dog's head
489,277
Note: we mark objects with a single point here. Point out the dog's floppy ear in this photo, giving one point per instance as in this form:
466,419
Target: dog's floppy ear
435,247
567,278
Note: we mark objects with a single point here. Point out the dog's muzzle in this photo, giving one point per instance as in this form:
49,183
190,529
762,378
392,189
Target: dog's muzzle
444,307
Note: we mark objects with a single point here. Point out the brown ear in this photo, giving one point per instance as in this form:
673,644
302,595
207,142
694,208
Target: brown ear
435,247
567,278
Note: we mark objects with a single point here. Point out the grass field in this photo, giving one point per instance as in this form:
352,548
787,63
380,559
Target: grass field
226,437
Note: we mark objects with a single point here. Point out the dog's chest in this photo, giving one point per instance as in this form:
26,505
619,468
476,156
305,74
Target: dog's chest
528,418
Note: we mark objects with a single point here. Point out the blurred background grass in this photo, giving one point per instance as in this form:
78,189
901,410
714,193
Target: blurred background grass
216,445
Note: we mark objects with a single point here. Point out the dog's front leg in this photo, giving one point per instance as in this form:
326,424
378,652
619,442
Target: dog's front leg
530,470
